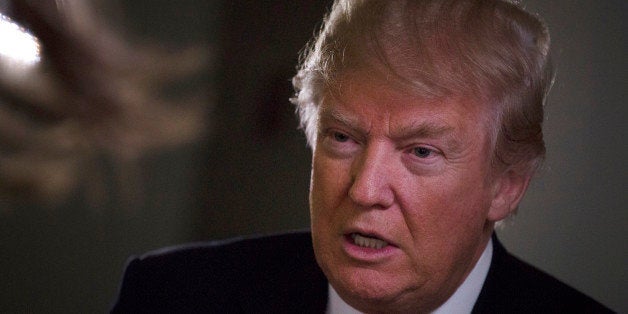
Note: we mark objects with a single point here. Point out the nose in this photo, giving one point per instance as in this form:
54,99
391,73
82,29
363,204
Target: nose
371,179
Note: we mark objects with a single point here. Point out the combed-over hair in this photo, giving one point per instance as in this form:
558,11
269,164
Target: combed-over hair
491,50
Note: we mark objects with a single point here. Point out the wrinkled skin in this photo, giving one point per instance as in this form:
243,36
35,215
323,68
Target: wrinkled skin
415,174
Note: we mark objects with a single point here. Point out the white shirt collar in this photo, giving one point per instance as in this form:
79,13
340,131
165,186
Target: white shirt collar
462,301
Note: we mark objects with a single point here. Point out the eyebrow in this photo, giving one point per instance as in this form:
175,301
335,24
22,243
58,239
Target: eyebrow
431,130
422,129
417,130
327,114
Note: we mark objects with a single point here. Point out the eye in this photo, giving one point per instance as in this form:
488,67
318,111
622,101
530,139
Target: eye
424,159
338,144
422,152
340,137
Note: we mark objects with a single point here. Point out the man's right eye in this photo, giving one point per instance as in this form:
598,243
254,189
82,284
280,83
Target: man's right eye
338,144
340,137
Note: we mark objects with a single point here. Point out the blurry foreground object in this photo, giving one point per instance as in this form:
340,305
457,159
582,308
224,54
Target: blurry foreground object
72,90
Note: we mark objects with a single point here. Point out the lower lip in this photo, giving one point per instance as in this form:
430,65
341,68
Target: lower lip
366,254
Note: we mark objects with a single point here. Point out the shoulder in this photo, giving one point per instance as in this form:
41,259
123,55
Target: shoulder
240,249
515,286
203,277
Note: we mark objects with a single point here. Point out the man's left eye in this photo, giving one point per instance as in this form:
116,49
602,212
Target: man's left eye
422,152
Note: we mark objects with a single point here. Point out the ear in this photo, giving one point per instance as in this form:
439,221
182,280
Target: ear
508,189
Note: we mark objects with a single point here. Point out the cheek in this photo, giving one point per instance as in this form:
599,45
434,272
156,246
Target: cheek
325,192
446,221
330,181
326,197
449,209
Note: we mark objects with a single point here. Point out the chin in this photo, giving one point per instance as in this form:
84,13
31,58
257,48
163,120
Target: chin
368,290
371,291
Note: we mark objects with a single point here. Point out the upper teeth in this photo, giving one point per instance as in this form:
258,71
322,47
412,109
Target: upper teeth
368,242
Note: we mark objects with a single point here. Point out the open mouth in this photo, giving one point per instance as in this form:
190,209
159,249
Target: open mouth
367,241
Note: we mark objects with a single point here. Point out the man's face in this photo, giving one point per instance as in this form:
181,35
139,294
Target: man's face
400,196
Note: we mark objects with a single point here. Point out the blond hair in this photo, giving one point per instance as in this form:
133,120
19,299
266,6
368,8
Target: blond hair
491,50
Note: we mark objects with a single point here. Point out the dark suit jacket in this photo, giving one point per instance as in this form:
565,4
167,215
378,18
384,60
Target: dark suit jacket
278,274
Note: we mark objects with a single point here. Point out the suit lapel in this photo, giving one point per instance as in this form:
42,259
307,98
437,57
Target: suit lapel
505,284
292,283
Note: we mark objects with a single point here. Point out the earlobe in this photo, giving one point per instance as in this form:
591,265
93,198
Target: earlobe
508,190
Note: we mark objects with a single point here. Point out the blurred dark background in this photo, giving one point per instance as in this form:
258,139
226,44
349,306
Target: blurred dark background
251,173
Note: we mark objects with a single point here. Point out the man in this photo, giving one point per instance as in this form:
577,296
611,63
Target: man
424,119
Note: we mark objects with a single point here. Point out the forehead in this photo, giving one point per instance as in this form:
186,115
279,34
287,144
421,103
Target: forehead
365,104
